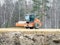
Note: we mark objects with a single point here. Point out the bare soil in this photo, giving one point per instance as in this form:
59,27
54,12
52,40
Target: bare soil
20,38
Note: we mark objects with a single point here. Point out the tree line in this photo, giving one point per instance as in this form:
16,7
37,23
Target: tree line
12,11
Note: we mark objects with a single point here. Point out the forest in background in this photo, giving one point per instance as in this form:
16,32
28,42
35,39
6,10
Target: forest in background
12,11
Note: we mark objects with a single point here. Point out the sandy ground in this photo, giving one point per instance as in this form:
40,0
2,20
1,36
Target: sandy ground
30,30
23,29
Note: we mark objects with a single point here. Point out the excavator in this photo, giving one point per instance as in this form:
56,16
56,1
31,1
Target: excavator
31,22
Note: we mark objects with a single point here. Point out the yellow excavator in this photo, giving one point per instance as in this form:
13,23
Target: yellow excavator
31,22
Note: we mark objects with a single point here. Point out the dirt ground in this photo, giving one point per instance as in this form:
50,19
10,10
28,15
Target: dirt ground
21,38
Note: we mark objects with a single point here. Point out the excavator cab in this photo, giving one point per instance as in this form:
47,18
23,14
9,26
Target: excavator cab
30,18
30,21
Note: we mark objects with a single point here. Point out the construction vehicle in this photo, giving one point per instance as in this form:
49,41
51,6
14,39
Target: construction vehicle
31,22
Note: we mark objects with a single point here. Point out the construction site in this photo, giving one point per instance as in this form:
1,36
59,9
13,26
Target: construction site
29,22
